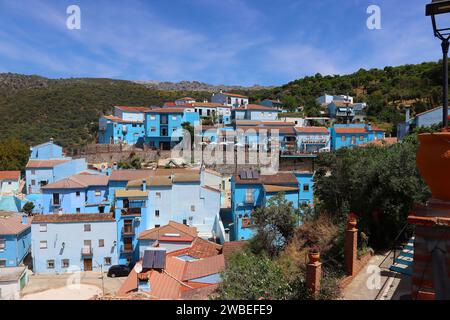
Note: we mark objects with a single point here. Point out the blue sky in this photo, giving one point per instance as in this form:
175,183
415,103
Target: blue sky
242,42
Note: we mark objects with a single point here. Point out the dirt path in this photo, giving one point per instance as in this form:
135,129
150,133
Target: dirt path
74,292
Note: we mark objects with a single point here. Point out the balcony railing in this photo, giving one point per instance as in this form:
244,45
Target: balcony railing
131,211
126,249
128,231
87,252
56,202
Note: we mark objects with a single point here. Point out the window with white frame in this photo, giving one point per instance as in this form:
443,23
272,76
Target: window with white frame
87,228
98,193
249,196
101,243
2,245
157,213
43,244
158,194
43,227
50,264
152,117
107,261
153,129
193,208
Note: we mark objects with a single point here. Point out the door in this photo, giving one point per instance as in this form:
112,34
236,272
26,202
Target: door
87,264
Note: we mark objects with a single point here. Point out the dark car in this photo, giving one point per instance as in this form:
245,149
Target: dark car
118,271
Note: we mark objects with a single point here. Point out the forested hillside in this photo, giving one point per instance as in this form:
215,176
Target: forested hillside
33,108
386,91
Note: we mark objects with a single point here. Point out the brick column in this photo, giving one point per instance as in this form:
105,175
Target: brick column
432,232
313,274
351,246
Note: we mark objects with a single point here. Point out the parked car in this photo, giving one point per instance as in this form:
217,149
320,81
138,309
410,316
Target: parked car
118,271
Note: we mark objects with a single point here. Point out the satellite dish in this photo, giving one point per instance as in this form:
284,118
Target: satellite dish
138,268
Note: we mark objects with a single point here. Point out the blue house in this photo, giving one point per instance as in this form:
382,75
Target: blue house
15,238
219,112
130,214
81,193
351,135
73,242
424,119
312,140
125,126
46,151
341,110
163,126
255,112
229,99
277,104
47,164
250,190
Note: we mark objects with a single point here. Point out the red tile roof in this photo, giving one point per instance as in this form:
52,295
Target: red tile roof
234,95
311,129
79,181
120,120
204,267
169,229
350,130
11,223
45,163
199,248
167,110
256,107
9,175
127,175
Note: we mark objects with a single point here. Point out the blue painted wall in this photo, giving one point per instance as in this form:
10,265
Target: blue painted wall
73,236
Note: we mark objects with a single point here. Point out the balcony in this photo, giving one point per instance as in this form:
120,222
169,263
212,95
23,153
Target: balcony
131,211
87,252
128,231
127,248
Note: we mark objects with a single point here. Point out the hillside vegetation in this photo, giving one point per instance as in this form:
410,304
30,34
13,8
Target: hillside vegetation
33,108
387,91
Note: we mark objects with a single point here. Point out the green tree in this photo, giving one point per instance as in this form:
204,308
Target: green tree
251,277
379,184
13,155
28,208
275,224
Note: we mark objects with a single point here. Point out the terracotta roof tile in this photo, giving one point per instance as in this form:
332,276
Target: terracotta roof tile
274,188
79,181
350,130
11,223
204,267
9,175
167,110
171,228
256,107
127,175
120,120
45,163
234,95
311,129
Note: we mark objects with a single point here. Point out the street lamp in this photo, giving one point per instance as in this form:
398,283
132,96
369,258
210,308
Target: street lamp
437,7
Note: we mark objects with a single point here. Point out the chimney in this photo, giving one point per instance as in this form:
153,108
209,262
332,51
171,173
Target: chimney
51,140
407,114
115,167
313,274
24,219
144,185
350,246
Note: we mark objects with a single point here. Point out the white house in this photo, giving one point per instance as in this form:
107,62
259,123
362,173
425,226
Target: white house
229,99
